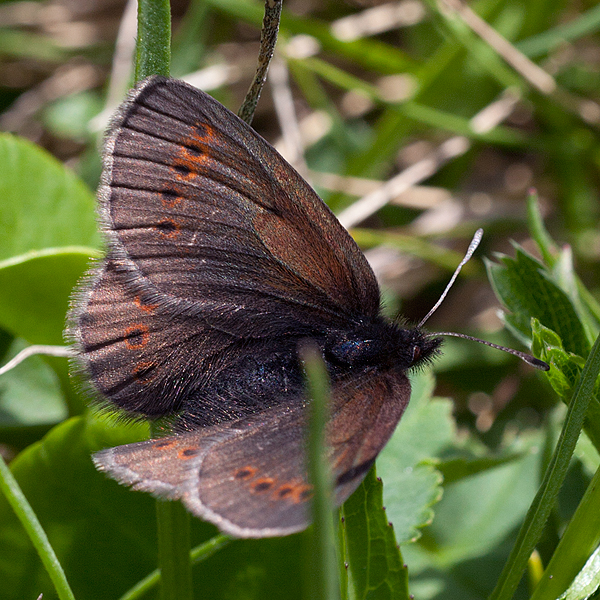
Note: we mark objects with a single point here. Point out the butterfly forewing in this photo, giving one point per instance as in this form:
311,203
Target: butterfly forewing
188,181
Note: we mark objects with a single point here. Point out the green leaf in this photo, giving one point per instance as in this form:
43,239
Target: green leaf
376,569
70,117
30,398
455,469
587,581
478,512
465,546
545,498
36,534
545,243
35,289
412,483
42,203
525,288
64,490
564,373
105,534
574,565
47,216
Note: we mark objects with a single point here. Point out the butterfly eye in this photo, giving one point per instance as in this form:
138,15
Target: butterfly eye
416,354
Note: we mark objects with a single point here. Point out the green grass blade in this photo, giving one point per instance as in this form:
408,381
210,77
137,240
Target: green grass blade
544,501
578,542
323,581
10,488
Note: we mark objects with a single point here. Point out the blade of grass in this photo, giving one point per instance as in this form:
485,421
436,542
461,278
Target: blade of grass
586,23
441,257
323,581
10,488
369,53
544,242
576,545
540,508
413,110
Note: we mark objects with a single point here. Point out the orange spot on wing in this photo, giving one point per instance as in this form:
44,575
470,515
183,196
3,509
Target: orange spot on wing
164,444
284,491
264,484
245,473
147,308
303,493
294,491
170,200
136,336
168,228
195,151
187,453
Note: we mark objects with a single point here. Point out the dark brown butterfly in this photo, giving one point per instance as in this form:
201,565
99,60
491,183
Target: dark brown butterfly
221,260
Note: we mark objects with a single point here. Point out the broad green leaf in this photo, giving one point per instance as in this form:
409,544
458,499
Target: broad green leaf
42,203
461,552
64,490
376,569
30,397
412,484
35,289
476,513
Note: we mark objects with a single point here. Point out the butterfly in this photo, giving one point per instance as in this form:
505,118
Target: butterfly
221,262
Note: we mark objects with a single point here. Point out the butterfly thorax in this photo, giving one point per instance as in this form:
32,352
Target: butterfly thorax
378,344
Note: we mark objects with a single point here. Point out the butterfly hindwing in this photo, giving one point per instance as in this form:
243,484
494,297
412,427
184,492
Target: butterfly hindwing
248,476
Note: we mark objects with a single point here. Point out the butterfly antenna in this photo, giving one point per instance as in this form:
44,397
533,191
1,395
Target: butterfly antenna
470,250
530,360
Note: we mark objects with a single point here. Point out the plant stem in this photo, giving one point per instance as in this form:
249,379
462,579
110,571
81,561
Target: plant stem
153,53
174,550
